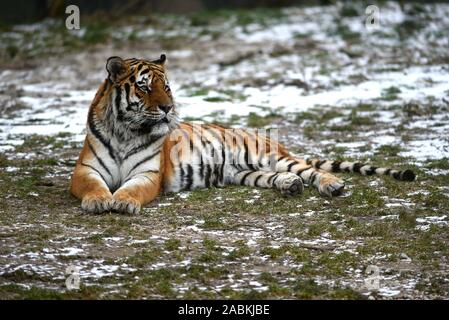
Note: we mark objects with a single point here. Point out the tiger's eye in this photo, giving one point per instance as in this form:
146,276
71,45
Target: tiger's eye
143,88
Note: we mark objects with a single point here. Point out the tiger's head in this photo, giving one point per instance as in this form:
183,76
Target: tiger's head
141,98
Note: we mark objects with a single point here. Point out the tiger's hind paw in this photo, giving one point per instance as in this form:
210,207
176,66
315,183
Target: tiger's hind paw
332,189
291,185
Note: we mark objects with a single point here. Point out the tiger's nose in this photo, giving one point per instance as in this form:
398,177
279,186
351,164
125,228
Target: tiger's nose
166,109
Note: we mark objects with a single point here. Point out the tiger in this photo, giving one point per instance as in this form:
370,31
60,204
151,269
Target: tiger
132,154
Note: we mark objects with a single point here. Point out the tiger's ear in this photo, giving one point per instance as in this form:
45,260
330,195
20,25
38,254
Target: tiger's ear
116,68
162,60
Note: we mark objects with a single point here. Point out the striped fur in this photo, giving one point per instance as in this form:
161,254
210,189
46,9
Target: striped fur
363,169
136,148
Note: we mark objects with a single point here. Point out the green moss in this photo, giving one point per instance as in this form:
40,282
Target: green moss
96,238
172,244
4,162
346,294
366,196
435,164
329,114
36,293
308,289
256,121
346,33
363,106
408,27
336,151
305,115
336,264
198,92
389,150
412,109
95,33
214,223
390,94
318,228
215,99
348,9
209,257
20,275
241,17
38,142
357,120
436,199
342,128
210,244
160,281
12,51
240,252
433,285
144,257
274,253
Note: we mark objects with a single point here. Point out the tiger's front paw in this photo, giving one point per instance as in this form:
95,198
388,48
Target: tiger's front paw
96,202
331,188
291,184
123,202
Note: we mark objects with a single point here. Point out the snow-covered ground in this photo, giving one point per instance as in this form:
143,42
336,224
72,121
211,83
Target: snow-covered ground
304,59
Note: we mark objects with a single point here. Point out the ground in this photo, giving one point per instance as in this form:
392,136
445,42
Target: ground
330,87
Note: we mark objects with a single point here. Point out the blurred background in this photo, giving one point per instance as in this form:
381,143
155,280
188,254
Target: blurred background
26,11
20,11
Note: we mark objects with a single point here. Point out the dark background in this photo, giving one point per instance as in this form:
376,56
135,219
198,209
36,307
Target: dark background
21,11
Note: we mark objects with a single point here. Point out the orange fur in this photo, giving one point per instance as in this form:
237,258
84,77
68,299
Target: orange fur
103,183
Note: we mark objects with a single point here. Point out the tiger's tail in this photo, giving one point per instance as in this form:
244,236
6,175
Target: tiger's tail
363,169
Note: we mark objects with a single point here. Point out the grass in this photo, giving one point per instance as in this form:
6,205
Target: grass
210,249
213,95
256,121
243,17
389,150
439,164
167,256
357,120
346,33
349,10
96,29
390,94
215,99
